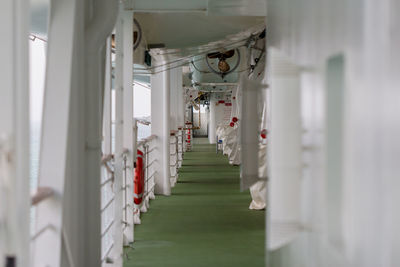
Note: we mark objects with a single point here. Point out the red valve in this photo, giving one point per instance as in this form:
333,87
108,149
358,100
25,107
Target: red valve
264,134
235,119
232,124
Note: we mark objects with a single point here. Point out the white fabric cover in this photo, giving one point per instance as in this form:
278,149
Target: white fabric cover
229,140
258,191
234,157
230,144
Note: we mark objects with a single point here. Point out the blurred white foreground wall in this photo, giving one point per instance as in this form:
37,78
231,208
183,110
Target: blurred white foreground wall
348,57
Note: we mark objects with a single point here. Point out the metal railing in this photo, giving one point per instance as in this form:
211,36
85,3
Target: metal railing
173,161
181,146
125,188
107,207
188,136
108,191
177,148
41,194
148,147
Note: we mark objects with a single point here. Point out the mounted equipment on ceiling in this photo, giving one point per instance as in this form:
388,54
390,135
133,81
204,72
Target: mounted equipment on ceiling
223,66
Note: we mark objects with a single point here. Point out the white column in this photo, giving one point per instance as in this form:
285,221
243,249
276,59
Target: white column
55,130
173,73
119,134
128,141
249,132
212,121
14,132
99,24
176,100
181,100
107,119
68,223
285,158
160,126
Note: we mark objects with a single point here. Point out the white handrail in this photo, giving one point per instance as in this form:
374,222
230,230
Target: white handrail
148,146
146,140
41,194
107,206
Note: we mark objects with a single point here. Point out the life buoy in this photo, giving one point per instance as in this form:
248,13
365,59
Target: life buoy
138,180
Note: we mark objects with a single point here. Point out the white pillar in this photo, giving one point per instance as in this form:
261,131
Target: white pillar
176,100
181,100
173,73
119,134
128,141
55,131
14,132
68,224
160,126
107,105
249,126
99,23
212,121
285,158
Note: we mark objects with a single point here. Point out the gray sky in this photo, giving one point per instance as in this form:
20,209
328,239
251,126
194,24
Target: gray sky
37,73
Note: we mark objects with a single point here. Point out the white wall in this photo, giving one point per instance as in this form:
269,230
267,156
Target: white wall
203,119
366,114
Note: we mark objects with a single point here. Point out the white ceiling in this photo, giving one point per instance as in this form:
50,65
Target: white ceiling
180,23
183,30
211,7
186,27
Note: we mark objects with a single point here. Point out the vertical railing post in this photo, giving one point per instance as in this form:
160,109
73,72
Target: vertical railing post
146,174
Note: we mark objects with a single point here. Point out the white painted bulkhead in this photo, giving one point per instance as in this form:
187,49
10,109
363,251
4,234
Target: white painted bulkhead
362,105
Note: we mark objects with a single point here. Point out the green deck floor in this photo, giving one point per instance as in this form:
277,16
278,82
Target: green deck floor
205,222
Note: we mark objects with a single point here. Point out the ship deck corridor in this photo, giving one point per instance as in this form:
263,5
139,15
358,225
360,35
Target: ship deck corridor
205,222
